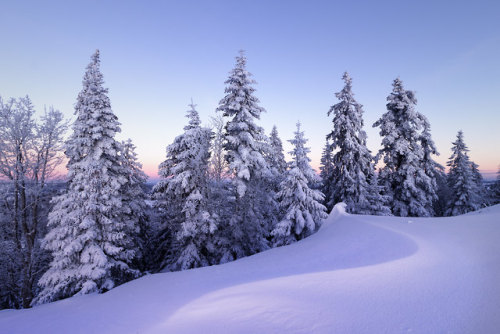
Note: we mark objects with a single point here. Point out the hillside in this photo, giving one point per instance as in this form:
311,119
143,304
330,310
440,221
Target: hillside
358,274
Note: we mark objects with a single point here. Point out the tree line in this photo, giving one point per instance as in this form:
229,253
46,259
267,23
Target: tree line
225,191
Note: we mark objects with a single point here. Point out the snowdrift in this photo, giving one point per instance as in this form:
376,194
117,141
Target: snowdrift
358,274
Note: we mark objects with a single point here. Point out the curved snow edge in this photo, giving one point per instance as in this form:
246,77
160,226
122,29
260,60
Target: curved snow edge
337,212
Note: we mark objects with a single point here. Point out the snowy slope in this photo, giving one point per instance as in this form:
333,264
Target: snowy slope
358,274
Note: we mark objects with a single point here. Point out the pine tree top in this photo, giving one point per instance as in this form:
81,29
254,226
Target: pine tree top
96,124
459,151
348,118
194,117
239,90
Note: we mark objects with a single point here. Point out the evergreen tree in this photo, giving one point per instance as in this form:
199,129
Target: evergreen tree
433,171
301,204
134,194
461,180
185,181
327,170
276,158
246,147
89,223
496,189
443,194
403,177
350,179
299,154
482,193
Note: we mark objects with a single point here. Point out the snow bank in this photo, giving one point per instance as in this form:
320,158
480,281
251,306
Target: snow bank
358,274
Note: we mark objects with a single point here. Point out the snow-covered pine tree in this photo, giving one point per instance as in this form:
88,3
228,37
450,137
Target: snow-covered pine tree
482,193
276,158
496,189
277,167
185,180
246,146
134,194
301,205
326,174
461,180
403,177
443,194
354,168
88,224
299,154
431,168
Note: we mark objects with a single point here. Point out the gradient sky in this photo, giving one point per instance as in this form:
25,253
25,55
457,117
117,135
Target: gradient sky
157,55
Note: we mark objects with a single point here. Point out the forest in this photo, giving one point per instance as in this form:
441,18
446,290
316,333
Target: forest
226,190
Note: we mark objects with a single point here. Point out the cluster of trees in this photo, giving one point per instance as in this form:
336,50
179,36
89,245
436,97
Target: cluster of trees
238,197
225,192
410,182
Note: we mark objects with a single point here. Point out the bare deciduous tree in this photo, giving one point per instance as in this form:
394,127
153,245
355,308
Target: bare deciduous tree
30,152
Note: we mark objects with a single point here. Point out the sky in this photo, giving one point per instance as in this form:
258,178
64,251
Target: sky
157,55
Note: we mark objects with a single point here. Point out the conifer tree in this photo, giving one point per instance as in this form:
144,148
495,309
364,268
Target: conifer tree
246,147
431,168
496,189
301,205
403,178
89,223
277,168
299,154
276,158
482,193
461,180
185,181
327,169
350,179
134,194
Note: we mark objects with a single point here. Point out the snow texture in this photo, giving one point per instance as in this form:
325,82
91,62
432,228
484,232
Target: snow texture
357,274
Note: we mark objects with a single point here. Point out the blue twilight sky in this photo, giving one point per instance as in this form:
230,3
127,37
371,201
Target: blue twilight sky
157,55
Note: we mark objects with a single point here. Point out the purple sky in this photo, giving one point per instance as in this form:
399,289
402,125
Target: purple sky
156,56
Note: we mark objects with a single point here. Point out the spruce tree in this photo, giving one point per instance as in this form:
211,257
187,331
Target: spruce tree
403,178
482,193
461,180
299,154
246,147
301,205
276,158
277,168
89,223
432,170
134,193
327,169
350,179
185,181
496,189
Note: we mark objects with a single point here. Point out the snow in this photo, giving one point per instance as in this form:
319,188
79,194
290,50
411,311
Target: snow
357,274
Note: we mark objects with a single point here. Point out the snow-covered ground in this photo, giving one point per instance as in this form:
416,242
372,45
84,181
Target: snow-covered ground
358,274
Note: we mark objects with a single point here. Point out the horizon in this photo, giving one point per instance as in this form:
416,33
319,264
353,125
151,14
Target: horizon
156,58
